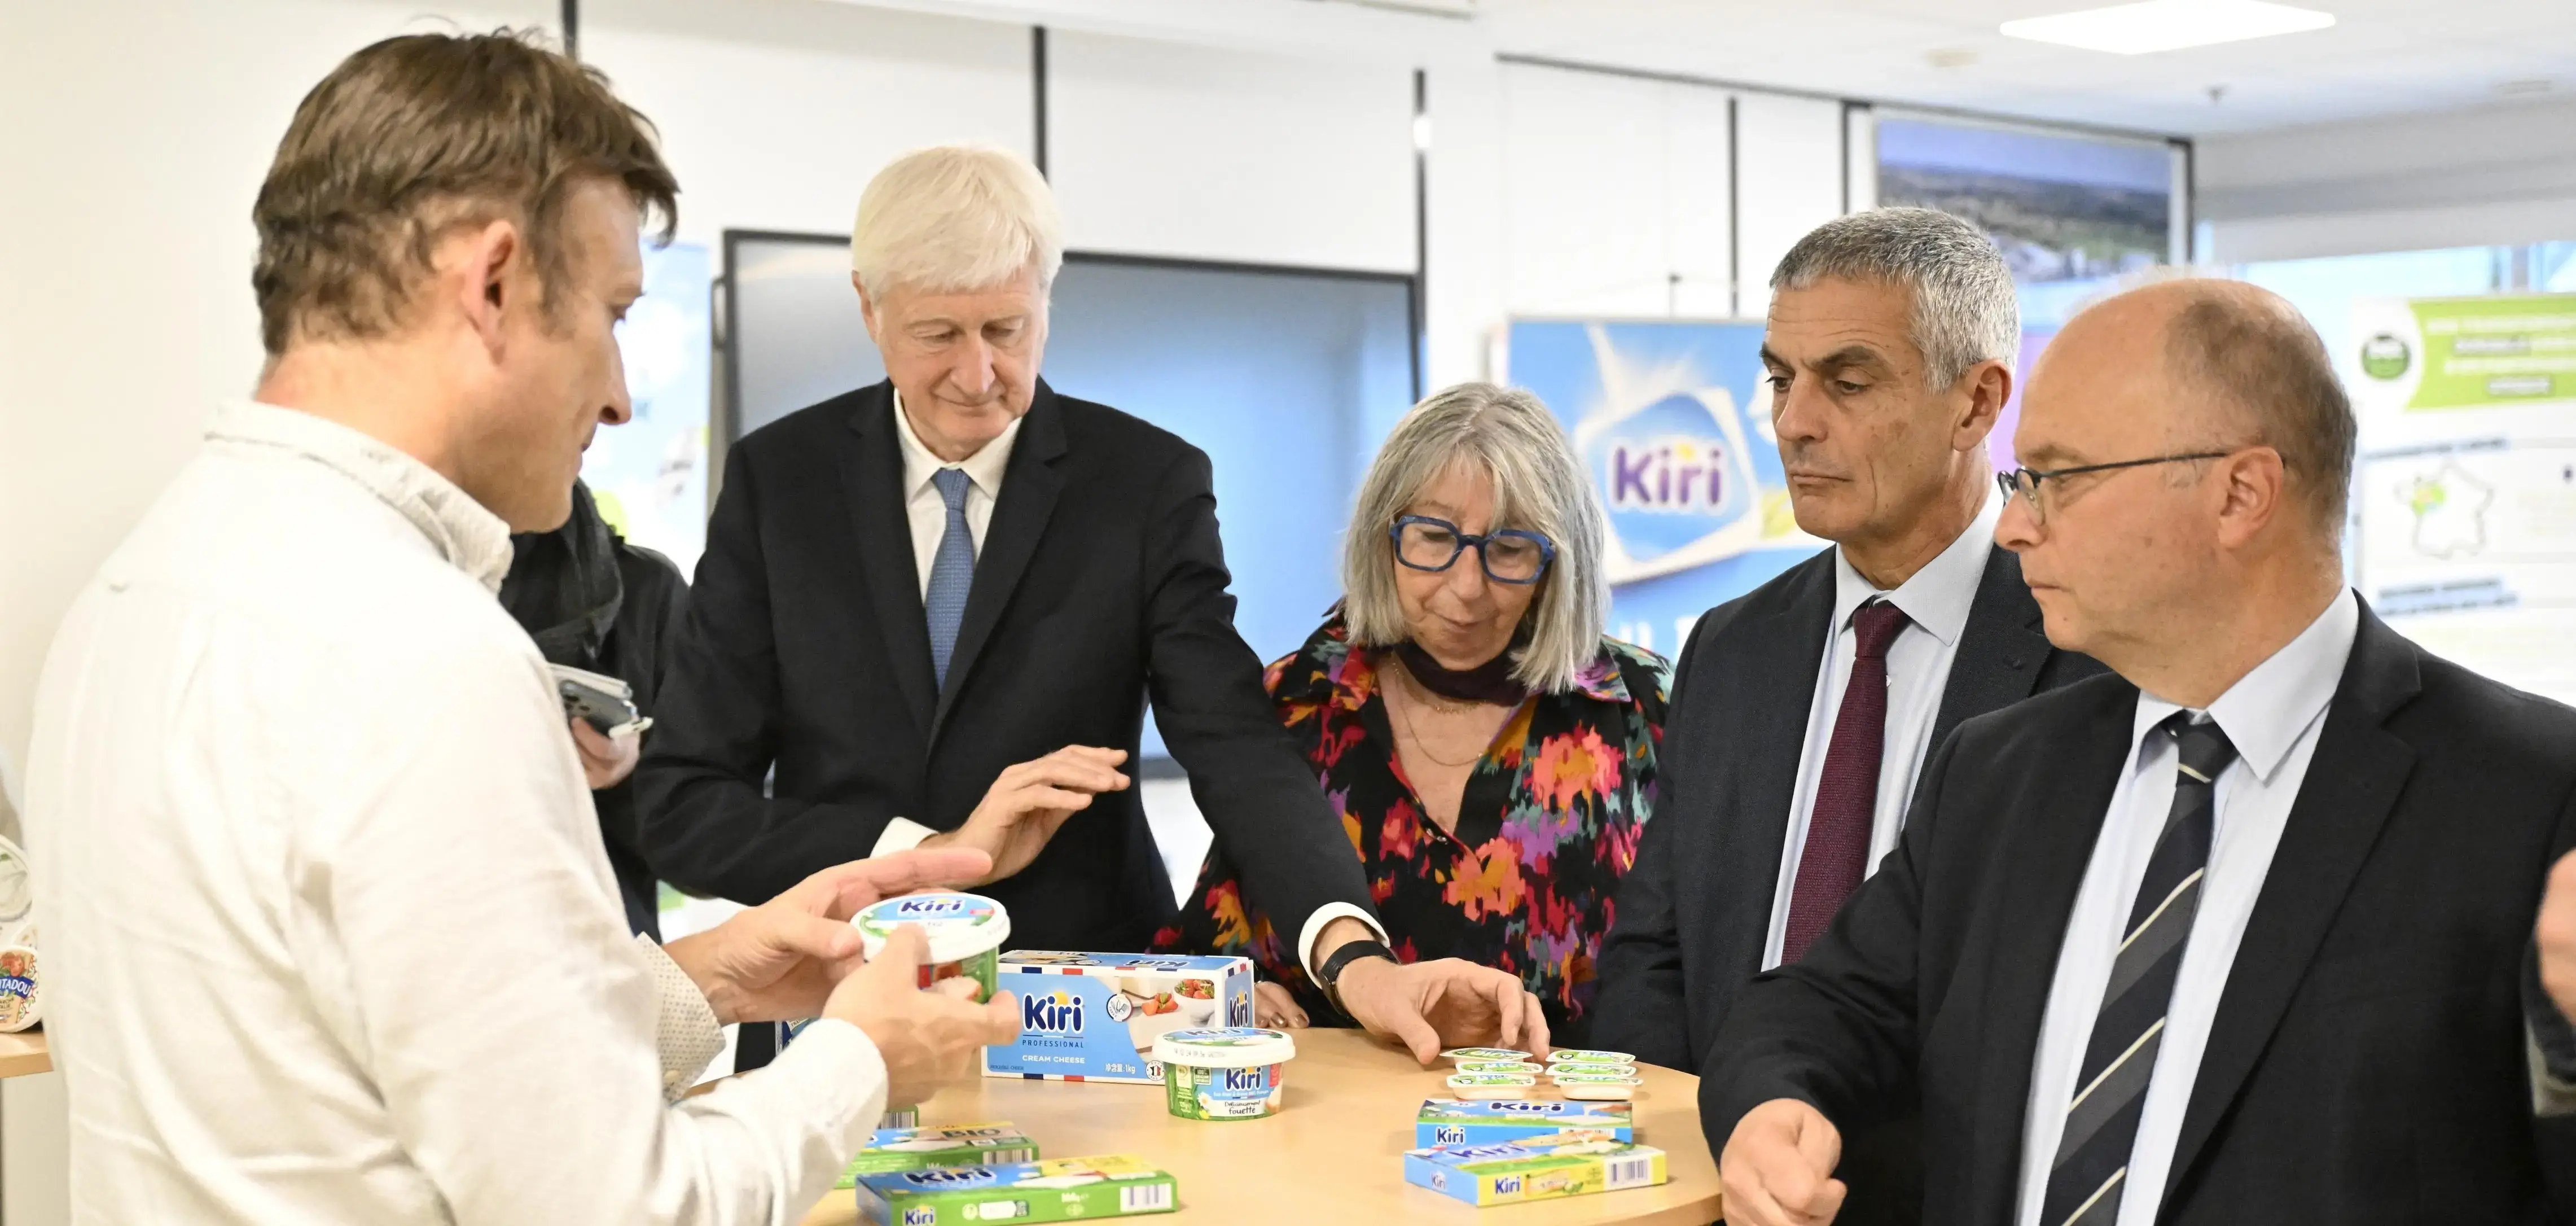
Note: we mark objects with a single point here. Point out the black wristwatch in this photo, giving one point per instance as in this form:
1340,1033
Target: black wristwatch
1330,973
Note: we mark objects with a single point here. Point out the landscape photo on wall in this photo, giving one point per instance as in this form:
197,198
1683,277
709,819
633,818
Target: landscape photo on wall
2062,208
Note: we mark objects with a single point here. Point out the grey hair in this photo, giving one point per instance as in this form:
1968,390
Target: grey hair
1965,311
1507,434
954,218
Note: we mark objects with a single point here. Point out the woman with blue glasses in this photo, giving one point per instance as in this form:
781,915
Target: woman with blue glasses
1491,752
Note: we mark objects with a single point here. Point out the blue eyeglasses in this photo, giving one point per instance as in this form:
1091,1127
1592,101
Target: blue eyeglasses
1508,556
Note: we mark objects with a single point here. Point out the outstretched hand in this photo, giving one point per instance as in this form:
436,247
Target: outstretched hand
1029,802
1428,1006
780,960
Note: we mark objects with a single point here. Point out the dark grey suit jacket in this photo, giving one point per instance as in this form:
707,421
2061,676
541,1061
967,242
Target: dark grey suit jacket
2367,1063
1693,915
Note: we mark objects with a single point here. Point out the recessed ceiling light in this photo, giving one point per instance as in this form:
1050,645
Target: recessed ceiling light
2166,25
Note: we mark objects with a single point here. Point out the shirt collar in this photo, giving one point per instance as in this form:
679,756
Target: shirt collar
464,533
1938,596
2265,712
984,468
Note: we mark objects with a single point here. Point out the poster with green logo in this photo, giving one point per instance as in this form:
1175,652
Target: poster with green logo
2424,354
2465,490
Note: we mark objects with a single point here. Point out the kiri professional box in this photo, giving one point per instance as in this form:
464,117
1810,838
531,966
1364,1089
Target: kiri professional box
1530,1170
916,1149
1056,1190
1451,1121
1094,1017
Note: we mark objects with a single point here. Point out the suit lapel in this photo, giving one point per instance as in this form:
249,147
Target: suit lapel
1029,488
2040,868
2000,651
872,479
2351,784
1764,701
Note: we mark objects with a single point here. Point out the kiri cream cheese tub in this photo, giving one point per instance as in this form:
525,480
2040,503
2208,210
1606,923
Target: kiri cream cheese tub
965,933
1231,1073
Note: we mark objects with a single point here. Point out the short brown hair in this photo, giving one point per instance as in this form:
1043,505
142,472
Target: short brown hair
413,136
2248,348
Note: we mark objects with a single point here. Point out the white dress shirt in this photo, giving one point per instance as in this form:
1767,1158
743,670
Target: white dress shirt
330,934
928,513
1935,602
2272,716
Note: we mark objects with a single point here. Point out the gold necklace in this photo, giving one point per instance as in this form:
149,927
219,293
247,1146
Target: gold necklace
1416,734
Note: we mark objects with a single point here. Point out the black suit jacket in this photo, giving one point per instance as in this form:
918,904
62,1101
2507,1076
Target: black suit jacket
2367,1063
1101,579
1695,912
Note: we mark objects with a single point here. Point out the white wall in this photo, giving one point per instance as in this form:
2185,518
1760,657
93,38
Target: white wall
1789,155
775,116
2502,175
1220,154
1614,195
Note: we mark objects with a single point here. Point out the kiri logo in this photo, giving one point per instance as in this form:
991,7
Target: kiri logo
1054,1013
934,906
1507,1185
1450,1134
1480,1152
1674,475
1526,1107
1688,473
920,1215
950,1177
1243,1079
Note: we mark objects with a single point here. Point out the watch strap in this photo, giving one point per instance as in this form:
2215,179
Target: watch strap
1331,971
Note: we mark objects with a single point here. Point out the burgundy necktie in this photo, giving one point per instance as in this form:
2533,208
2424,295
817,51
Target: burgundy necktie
1837,849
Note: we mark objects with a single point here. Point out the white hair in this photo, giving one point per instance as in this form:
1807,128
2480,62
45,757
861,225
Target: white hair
953,218
1506,434
1965,311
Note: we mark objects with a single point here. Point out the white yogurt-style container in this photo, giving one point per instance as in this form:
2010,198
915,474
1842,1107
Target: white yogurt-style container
965,933
1229,1073
1479,1086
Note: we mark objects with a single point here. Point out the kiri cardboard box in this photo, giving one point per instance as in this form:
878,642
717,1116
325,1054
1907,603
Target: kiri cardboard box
1451,1121
1533,1169
913,1149
1094,1017
1057,1190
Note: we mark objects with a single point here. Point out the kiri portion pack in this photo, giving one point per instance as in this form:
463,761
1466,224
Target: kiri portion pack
916,1149
1450,1121
1094,1017
1534,1168
1056,1190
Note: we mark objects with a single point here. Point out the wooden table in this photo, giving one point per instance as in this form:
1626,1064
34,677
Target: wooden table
24,1053
1333,1154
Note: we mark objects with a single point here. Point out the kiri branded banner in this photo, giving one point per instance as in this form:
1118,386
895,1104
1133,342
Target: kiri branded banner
1672,422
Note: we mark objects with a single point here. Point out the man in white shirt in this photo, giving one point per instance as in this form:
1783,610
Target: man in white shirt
2208,941
933,612
331,933
1803,710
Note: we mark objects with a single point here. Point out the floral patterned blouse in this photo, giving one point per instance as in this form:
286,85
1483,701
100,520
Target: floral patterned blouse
1548,824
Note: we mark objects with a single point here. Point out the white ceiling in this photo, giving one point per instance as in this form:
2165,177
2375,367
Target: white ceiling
2381,57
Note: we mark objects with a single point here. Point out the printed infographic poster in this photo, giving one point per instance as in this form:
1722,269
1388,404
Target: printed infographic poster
1672,422
650,475
2466,486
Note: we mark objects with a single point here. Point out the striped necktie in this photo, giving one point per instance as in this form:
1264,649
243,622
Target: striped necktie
952,571
2092,1167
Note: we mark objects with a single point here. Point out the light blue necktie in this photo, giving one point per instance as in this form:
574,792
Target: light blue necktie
952,571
